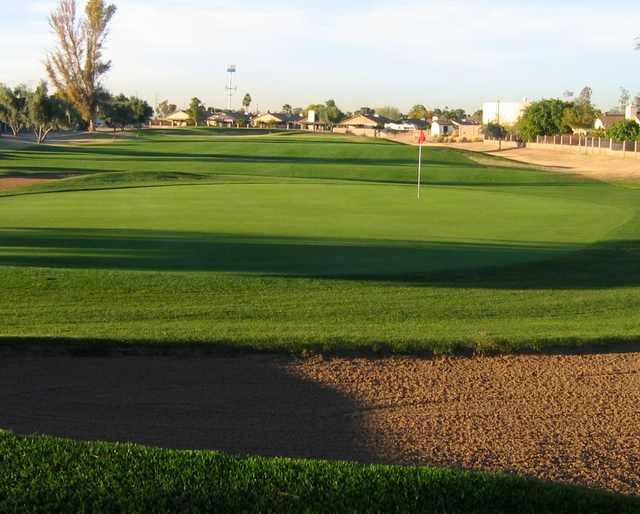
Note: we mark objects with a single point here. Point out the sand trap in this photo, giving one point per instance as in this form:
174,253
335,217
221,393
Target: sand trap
13,182
569,418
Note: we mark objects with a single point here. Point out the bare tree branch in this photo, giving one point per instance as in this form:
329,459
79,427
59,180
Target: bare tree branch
76,66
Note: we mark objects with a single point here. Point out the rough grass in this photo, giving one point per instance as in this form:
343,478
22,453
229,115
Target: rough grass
42,474
297,242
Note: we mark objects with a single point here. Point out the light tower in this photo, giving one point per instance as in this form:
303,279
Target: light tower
231,89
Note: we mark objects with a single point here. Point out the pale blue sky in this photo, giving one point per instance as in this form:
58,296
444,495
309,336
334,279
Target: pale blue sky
436,52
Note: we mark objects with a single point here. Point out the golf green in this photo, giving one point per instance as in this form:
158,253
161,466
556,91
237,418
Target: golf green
294,242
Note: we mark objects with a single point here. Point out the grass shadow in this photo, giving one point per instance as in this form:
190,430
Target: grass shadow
463,264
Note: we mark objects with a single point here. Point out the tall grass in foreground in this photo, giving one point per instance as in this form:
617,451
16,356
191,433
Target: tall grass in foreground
42,474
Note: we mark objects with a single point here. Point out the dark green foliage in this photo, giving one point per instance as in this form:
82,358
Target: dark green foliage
627,130
495,131
122,111
196,110
41,474
543,118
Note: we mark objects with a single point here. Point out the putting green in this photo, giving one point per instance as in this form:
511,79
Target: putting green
312,242
333,229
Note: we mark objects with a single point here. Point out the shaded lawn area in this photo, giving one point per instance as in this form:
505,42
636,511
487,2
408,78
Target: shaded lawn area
42,474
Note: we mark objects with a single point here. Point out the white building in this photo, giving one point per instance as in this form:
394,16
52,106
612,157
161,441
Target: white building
504,113
441,127
632,112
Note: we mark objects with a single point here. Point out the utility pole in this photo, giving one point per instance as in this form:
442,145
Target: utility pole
231,89
500,126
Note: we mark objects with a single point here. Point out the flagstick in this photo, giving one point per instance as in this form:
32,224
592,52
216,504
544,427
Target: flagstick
419,169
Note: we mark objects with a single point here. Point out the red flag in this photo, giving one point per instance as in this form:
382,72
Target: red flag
421,138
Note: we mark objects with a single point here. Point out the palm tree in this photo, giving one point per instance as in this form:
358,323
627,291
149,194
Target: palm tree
246,102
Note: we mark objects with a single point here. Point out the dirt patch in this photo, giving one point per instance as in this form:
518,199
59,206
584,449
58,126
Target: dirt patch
13,182
570,418
597,166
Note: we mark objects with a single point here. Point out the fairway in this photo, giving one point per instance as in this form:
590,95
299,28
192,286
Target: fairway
301,242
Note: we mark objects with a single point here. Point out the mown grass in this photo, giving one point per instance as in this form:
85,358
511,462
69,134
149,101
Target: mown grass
42,474
298,242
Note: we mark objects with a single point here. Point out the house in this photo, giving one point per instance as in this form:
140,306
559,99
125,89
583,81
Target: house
313,123
406,125
179,119
282,120
607,120
468,129
441,127
362,125
506,114
228,119
632,112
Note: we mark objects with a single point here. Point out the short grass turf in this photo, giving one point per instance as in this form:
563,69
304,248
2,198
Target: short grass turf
300,242
42,474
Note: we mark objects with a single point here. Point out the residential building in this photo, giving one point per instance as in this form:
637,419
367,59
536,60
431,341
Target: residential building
441,127
468,129
277,120
362,125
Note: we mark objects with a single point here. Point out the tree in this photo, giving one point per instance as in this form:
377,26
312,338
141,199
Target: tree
13,107
333,113
478,116
287,108
141,111
364,111
419,112
45,113
581,114
328,112
495,131
543,118
165,109
627,130
624,99
389,112
246,102
196,110
117,112
76,67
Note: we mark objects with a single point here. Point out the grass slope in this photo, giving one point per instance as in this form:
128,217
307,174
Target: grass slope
41,474
293,242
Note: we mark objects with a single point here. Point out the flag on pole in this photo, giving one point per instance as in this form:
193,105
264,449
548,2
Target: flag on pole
421,139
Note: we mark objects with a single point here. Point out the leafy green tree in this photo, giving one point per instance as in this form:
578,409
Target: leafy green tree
165,109
581,114
141,111
627,130
333,113
365,111
13,107
196,111
328,112
478,116
451,114
419,112
117,112
495,131
246,102
543,118
389,112
45,113
287,109
76,66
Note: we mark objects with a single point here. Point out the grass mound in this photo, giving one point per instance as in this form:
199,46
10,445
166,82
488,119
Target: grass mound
42,474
